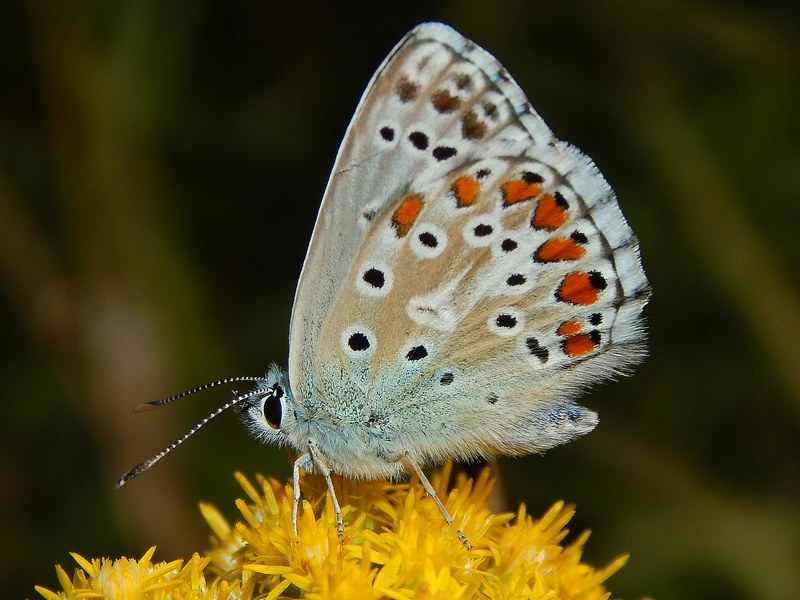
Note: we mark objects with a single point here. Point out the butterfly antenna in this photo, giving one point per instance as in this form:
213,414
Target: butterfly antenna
141,468
157,403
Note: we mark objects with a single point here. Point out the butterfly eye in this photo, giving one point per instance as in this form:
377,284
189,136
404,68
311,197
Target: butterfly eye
273,411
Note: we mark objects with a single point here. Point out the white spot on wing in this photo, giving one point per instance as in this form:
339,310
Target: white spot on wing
436,309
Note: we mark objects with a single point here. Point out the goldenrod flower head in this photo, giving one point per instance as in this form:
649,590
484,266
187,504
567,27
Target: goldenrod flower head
396,546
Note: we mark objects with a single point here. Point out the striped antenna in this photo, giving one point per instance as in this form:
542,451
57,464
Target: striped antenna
141,468
157,403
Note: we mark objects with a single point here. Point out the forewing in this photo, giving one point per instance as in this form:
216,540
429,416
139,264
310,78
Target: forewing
385,150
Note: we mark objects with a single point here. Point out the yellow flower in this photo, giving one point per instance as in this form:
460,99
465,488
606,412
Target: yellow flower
131,579
396,546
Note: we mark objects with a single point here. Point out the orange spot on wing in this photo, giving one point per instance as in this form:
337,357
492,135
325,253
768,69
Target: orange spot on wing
550,213
405,214
581,288
466,190
580,344
559,248
517,190
569,327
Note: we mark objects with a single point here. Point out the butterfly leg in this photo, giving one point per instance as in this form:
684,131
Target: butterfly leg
304,462
432,493
326,473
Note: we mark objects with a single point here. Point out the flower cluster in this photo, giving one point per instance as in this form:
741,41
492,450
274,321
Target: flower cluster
396,546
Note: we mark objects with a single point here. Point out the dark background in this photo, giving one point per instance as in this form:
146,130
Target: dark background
161,164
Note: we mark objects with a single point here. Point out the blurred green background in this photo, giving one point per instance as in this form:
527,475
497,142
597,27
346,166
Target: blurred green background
161,165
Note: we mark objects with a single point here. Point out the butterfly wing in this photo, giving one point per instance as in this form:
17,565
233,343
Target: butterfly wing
468,273
374,166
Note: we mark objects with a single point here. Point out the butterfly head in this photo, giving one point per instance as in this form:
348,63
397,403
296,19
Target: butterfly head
263,410
268,411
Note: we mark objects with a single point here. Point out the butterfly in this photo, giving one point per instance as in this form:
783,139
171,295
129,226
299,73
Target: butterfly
468,276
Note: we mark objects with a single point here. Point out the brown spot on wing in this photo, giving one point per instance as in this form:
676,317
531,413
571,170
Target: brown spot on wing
407,90
472,128
444,102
